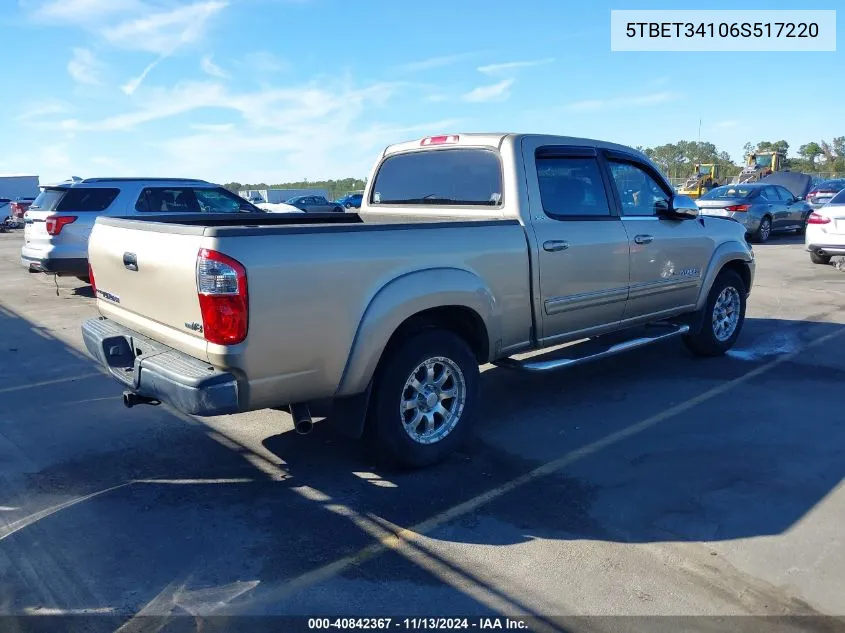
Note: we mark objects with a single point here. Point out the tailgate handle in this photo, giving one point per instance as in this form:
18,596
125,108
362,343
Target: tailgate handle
130,261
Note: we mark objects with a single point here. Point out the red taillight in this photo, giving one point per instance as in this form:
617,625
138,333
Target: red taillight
224,303
17,209
91,279
740,208
440,140
55,223
815,218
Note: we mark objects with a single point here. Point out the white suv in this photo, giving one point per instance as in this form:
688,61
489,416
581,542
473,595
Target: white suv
825,235
58,223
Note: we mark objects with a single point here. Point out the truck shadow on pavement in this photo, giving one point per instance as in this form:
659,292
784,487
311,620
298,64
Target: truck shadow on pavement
177,507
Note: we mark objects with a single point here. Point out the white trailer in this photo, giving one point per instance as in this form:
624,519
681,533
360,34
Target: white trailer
13,186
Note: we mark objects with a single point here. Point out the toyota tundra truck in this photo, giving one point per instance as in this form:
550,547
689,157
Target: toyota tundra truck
531,252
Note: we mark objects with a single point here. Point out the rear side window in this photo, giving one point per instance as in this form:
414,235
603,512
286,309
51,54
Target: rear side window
166,200
48,200
446,177
87,199
571,186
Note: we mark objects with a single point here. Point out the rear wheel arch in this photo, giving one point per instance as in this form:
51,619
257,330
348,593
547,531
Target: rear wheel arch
459,303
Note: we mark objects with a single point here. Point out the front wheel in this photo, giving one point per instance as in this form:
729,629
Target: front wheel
818,258
722,318
424,396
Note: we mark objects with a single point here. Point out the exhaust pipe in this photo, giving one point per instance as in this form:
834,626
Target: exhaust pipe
302,422
131,399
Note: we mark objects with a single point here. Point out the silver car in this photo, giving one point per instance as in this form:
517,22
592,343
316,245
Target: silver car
57,225
762,208
823,192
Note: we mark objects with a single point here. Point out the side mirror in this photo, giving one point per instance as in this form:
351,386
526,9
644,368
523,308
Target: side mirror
679,208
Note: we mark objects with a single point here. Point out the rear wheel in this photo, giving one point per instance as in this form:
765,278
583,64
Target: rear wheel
338,209
818,258
764,231
722,318
424,396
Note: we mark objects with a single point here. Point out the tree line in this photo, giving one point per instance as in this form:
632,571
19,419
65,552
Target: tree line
678,160
336,188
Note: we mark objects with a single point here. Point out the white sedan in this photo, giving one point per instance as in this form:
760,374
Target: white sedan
825,236
278,207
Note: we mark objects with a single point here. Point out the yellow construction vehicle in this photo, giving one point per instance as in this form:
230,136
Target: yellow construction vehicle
705,178
759,165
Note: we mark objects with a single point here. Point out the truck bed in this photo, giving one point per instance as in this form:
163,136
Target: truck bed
313,280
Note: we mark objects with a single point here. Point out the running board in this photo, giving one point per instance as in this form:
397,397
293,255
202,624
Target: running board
598,348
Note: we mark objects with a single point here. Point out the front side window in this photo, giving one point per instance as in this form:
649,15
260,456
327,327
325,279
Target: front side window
571,186
167,200
443,177
785,194
639,192
221,201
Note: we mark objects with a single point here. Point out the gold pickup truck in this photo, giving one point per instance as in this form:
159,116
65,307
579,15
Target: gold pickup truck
468,249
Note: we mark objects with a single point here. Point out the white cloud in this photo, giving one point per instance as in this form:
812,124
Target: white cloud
265,62
163,32
152,26
84,67
655,98
329,128
436,62
210,68
84,10
494,92
42,111
132,85
494,69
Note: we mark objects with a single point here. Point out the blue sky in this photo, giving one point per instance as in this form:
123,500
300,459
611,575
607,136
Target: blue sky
276,90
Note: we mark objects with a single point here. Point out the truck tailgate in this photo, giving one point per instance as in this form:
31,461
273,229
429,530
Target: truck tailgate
146,280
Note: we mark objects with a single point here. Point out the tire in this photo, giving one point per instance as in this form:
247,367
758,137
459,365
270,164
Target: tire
712,338
819,259
762,236
338,209
803,229
348,205
389,439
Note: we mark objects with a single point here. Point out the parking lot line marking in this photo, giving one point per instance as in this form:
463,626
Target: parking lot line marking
17,526
394,540
54,381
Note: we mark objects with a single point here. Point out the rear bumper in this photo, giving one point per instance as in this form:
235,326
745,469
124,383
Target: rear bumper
160,372
827,249
70,266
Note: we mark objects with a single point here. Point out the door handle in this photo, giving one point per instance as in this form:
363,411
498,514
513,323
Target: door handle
555,245
130,261
644,239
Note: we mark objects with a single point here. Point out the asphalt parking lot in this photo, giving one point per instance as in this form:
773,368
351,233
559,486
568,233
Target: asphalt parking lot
649,484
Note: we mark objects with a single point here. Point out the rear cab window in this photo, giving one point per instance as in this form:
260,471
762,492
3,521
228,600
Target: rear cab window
441,177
